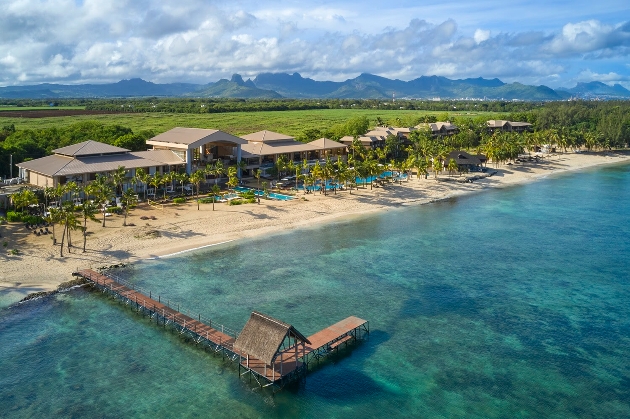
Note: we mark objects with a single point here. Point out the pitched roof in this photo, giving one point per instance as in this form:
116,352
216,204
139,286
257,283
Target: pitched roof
262,336
463,158
266,136
325,143
189,138
275,147
57,165
89,148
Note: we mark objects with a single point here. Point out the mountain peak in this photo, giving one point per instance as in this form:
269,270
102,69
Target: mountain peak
236,78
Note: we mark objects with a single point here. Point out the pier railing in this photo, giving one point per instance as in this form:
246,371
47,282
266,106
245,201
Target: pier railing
173,305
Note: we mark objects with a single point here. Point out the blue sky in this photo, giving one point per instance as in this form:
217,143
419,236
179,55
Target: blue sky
199,41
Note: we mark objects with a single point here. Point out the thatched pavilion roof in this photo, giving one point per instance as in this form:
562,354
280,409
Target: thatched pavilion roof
262,336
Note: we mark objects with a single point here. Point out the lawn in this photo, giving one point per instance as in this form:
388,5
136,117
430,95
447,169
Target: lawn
236,123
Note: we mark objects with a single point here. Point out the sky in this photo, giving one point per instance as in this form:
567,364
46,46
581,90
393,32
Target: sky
549,42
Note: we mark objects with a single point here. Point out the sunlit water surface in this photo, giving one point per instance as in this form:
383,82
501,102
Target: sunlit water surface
510,303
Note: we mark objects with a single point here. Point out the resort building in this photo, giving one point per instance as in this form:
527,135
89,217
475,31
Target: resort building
198,147
263,149
466,162
81,163
508,126
440,129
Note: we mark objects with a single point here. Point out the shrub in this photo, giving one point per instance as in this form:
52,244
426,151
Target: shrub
248,194
235,202
114,210
15,252
13,216
178,201
33,219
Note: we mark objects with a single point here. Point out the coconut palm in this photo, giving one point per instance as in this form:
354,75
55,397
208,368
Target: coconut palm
119,176
87,210
196,178
103,191
215,191
142,177
129,199
257,176
218,171
452,166
181,178
69,220
232,177
168,181
156,180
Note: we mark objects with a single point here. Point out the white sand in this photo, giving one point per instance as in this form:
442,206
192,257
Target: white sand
38,267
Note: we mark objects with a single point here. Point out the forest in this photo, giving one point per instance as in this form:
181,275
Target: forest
590,124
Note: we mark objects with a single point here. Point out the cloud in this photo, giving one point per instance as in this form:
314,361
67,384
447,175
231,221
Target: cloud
481,35
202,41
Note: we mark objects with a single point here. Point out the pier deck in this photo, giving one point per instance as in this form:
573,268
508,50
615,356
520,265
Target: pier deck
289,363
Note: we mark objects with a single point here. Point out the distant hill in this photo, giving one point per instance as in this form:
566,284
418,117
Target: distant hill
369,86
235,88
596,89
364,86
123,88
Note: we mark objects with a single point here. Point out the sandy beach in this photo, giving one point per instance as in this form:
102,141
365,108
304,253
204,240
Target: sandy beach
176,229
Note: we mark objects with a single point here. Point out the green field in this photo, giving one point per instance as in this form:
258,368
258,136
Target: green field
236,123
38,108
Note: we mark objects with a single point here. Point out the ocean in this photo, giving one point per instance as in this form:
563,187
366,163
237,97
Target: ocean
507,303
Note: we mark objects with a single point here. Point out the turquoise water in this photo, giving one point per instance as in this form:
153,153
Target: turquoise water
272,195
511,303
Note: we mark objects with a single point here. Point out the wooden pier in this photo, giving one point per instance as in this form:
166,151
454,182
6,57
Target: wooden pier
273,352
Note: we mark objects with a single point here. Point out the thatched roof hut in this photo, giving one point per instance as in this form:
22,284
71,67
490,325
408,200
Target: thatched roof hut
263,335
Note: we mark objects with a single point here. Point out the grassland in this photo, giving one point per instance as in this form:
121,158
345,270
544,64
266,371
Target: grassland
236,123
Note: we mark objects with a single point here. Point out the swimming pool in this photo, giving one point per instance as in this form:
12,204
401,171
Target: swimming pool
272,195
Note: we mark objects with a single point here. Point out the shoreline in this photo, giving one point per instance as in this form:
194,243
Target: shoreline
181,229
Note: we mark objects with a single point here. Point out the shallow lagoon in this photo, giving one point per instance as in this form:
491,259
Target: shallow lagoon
509,303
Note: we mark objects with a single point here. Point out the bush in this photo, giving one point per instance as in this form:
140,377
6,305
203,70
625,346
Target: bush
178,201
33,219
13,216
235,202
248,194
115,210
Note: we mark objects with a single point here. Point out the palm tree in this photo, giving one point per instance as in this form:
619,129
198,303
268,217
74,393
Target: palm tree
452,166
54,217
156,180
215,191
69,220
196,178
218,170
181,178
257,176
129,199
167,179
232,177
143,178
281,164
87,210
103,191
437,166
317,172
119,176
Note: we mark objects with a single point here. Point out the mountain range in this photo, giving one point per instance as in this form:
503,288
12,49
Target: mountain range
282,85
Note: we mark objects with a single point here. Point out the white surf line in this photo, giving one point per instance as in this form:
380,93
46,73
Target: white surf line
188,250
